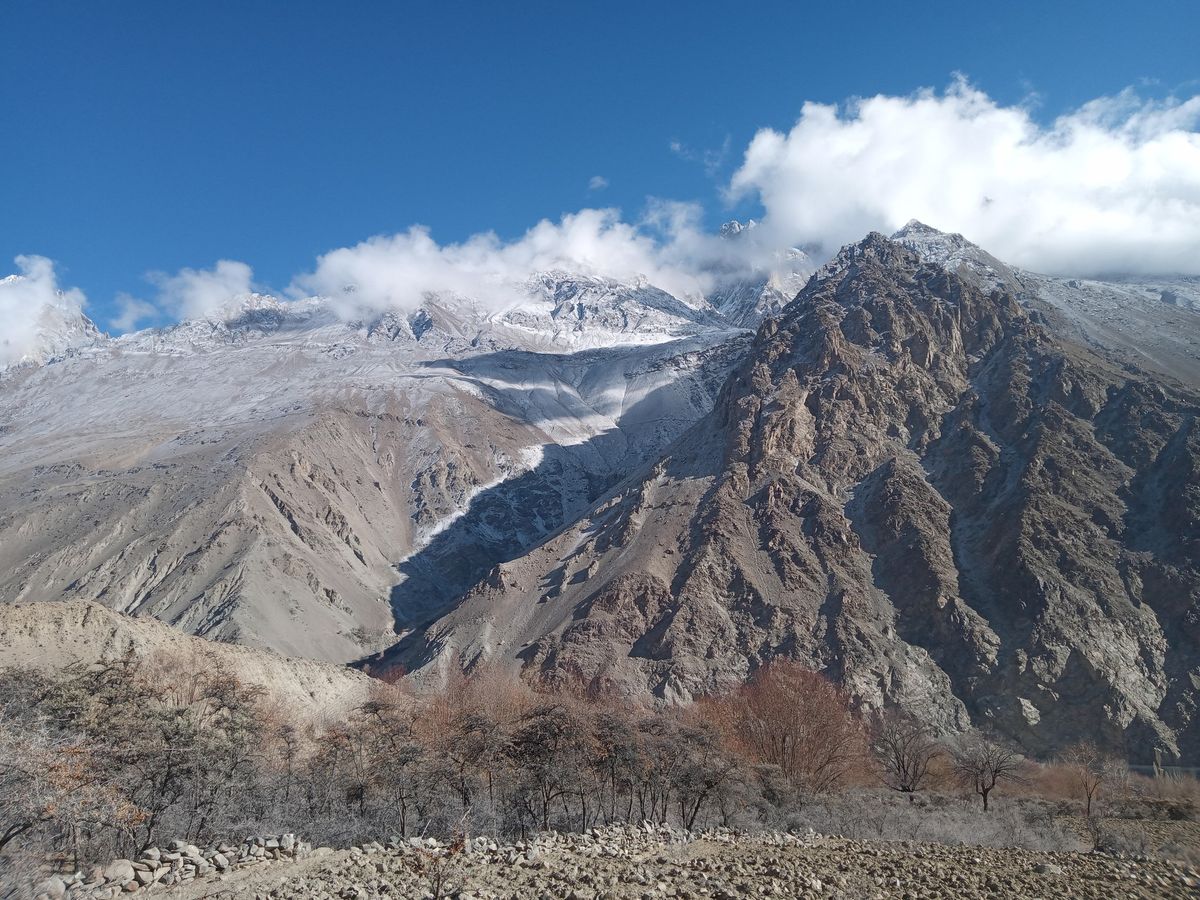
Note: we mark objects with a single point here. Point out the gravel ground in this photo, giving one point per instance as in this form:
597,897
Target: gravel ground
649,862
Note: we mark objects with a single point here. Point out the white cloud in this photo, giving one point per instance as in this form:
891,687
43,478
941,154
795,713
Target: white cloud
1112,186
667,250
35,314
197,293
132,312
597,183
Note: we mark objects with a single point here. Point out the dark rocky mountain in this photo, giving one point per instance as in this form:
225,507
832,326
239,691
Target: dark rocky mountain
913,483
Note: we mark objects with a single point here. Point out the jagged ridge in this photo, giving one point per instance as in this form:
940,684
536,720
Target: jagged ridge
912,485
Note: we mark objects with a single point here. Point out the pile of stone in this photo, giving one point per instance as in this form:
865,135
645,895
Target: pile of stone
654,861
178,863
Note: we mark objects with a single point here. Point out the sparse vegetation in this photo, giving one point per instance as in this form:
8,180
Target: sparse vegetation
981,764
101,762
904,750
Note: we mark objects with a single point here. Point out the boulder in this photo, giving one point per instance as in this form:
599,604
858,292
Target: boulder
53,887
119,870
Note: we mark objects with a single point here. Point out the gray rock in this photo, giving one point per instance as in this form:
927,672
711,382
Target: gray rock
53,887
119,871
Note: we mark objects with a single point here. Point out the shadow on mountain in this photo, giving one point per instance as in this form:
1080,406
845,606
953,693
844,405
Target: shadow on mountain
504,522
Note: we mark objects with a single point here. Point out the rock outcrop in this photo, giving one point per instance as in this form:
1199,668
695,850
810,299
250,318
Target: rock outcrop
911,484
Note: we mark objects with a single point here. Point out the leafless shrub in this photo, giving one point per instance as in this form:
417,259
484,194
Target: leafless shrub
439,866
981,763
904,750
1088,768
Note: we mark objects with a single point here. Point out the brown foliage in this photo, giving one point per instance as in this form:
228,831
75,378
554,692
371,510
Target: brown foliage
796,721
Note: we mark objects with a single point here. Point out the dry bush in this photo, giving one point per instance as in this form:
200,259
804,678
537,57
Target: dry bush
1171,795
1051,781
981,764
795,720
927,817
905,751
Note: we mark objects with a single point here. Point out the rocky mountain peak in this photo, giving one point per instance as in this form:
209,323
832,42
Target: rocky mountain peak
733,228
48,330
911,485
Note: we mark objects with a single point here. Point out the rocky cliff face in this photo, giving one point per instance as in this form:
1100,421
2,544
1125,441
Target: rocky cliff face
909,483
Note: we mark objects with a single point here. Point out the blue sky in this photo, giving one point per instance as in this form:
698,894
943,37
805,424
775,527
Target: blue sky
155,136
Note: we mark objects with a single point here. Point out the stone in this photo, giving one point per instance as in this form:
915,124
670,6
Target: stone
53,887
119,870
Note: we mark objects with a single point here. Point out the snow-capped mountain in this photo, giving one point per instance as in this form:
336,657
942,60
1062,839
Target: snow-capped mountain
56,329
323,478
284,473
747,300
916,482
1152,321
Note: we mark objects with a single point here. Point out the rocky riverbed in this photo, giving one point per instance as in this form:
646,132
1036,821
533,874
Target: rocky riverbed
653,862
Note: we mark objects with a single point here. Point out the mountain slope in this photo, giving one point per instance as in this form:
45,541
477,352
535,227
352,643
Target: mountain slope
913,485
279,475
1149,323
55,637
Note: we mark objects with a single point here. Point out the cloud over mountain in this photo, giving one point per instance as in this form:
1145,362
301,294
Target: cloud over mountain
1111,186
195,293
667,249
30,304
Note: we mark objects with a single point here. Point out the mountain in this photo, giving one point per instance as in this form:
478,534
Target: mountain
917,480
1150,323
747,300
58,328
301,476
956,486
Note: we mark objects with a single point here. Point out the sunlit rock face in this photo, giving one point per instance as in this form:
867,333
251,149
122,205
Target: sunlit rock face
912,482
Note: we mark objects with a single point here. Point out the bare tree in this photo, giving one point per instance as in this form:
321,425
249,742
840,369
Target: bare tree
790,717
904,749
980,764
1089,768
